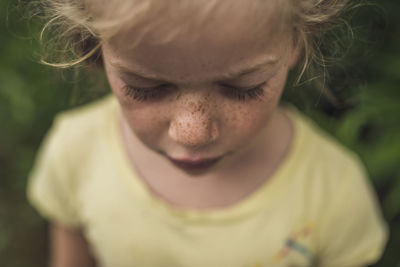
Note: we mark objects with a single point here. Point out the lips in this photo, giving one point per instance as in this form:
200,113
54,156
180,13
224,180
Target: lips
195,165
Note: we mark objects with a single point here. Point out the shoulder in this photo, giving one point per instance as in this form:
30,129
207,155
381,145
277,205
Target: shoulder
332,174
321,151
350,227
87,119
76,135
58,172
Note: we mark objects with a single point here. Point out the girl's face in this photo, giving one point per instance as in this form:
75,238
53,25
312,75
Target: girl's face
205,95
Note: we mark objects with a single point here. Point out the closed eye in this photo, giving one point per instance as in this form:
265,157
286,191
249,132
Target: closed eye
244,94
145,93
157,92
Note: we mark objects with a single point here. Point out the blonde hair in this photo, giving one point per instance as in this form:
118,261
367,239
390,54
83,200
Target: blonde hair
75,29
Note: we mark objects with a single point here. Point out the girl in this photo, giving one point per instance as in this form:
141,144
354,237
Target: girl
192,161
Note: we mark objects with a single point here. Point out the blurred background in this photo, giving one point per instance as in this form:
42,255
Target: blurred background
364,116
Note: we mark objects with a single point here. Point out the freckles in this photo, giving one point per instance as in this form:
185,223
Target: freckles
178,95
198,108
202,110
145,119
233,118
236,115
248,116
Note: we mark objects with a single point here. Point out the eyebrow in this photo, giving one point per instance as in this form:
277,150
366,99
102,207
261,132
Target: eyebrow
251,69
226,76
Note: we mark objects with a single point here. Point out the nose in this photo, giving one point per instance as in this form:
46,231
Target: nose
194,125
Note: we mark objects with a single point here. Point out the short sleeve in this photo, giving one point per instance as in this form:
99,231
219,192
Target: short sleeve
353,232
50,189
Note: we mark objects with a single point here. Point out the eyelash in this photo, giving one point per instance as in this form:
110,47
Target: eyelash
240,94
144,94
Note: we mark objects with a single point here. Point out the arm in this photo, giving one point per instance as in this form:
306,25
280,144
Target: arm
69,248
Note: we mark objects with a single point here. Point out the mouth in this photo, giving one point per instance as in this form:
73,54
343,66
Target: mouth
195,165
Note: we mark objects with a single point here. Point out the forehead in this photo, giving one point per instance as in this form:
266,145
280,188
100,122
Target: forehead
200,19
113,16
233,35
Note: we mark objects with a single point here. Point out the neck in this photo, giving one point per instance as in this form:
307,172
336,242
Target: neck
236,178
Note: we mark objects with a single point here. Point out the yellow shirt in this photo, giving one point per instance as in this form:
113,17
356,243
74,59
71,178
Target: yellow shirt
317,209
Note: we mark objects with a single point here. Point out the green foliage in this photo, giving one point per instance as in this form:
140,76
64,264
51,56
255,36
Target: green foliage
368,118
365,118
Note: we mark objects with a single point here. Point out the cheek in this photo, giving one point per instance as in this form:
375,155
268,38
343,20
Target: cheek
144,119
245,122
250,118
147,124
